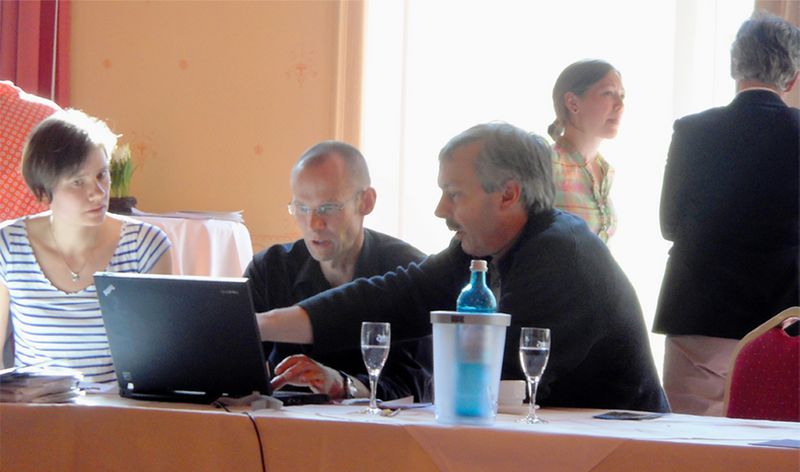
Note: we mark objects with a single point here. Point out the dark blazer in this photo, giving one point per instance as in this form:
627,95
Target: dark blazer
730,205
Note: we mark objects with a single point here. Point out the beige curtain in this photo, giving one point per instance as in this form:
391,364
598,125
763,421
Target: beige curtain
349,71
790,11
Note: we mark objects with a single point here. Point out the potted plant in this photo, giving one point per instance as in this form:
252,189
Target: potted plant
121,170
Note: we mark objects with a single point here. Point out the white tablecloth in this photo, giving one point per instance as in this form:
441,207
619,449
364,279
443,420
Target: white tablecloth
206,246
342,439
105,432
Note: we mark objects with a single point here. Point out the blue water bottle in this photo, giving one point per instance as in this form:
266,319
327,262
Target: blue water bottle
476,297
472,374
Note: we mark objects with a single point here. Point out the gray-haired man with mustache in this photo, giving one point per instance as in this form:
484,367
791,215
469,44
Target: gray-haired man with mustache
550,271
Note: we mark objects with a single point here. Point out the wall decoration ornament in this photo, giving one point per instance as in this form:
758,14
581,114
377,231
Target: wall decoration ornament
301,67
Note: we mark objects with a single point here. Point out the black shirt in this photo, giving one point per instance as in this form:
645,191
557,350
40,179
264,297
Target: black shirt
558,275
285,274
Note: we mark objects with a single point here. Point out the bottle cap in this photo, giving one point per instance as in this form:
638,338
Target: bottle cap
478,265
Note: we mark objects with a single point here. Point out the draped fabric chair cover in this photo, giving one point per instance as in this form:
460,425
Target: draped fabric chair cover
765,375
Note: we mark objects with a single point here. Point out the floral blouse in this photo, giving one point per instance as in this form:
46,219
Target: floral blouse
578,193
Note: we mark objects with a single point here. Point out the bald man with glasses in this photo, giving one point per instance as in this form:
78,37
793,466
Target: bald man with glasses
331,195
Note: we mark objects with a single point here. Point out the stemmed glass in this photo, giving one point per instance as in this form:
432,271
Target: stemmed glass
375,340
534,350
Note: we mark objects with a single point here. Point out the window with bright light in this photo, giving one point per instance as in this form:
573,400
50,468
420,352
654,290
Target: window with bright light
433,68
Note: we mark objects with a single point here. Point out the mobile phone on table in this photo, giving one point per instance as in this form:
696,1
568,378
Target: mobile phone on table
627,415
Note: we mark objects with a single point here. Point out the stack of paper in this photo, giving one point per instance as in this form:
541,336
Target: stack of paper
195,215
38,386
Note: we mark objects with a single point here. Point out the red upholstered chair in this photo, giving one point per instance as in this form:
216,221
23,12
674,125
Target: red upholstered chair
764,381
20,112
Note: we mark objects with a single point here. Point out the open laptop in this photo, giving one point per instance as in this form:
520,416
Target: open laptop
185,338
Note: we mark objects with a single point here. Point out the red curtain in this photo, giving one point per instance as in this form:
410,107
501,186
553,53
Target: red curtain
34,46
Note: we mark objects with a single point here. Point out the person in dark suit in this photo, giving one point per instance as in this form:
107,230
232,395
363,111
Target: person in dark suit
729,204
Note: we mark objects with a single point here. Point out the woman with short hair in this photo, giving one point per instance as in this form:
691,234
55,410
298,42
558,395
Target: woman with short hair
47,259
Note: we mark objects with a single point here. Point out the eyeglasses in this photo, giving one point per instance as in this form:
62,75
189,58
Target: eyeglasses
326,210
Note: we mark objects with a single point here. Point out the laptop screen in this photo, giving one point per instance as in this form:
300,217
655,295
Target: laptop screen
183,338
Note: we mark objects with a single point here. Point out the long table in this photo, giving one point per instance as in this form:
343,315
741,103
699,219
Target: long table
105,432
111,434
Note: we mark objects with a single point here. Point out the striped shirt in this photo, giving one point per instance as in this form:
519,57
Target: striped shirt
578,193
67,328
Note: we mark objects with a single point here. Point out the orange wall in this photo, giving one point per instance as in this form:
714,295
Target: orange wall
217,99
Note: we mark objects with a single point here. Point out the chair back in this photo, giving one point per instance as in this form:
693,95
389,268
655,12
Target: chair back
764,380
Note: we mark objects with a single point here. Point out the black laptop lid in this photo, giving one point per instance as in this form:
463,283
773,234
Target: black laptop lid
182,337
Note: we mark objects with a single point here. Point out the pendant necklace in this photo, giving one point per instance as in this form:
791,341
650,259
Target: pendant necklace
74,275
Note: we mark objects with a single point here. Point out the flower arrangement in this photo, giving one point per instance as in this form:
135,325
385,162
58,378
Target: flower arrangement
121,169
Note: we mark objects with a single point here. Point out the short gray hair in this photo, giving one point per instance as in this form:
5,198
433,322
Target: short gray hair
766,49
510,153
353,159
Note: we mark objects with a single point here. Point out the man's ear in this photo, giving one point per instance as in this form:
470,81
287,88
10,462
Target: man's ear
791,84
367,201
512,193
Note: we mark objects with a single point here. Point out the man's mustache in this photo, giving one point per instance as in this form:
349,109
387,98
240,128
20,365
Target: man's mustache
452,226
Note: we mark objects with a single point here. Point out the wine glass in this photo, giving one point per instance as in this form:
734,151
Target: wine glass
534,349
375,340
